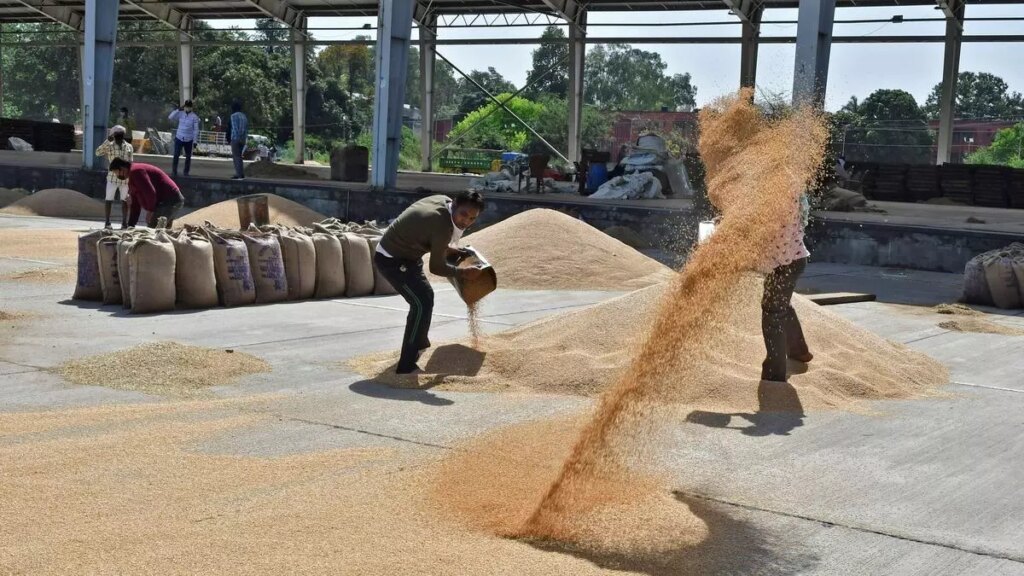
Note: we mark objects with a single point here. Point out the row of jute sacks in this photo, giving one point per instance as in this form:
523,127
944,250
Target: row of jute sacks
205,266
996,278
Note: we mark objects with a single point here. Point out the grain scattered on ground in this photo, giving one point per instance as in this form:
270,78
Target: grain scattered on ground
132,490
59,246
11,316
56,203
225,214
543,249
980,326
164,368
957,309
61,275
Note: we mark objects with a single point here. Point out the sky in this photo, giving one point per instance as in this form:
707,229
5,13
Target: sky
854,69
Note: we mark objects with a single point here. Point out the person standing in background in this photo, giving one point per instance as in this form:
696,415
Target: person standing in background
239,135
113,148
186,135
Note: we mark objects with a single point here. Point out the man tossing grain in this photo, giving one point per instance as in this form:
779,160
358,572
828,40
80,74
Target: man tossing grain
432,225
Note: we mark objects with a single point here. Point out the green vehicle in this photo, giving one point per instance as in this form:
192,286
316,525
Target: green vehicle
472,160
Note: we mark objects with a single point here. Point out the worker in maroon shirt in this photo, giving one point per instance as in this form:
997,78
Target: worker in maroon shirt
151,189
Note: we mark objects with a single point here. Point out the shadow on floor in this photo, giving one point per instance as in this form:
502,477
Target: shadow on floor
375,389
455,360
733,546
779,412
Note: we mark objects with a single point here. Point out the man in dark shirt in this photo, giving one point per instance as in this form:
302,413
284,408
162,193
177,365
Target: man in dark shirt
151,189
432,225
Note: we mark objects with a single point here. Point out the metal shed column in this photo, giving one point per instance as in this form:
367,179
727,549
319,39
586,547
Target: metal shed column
98,74
299,90
950,73
577,55
428,62
813,44
748,47
184,67
394,30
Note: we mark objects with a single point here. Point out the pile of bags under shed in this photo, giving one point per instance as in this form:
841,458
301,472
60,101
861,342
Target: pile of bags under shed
157,270
996,278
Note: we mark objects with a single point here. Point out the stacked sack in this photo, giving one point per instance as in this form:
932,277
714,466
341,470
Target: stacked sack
996,278
150,271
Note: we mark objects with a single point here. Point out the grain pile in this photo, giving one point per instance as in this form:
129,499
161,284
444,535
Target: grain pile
585,351
545,249
225,214
56,203
56,246
957,309
9,196
628,236
980,326
165,368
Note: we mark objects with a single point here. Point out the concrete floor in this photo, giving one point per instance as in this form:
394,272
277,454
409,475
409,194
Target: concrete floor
920,487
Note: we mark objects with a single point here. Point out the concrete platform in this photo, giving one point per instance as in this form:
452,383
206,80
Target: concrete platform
919,487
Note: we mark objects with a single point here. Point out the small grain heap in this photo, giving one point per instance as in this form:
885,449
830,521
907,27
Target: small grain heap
545,249
225,214
56,203
165,368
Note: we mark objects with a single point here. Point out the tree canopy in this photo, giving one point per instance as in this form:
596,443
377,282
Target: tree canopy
620,77
979,95
553,56
887,126
1007,149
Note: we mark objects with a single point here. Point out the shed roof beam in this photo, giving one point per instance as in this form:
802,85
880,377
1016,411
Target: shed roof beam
742,9
165,13
953,9
59,14
282,12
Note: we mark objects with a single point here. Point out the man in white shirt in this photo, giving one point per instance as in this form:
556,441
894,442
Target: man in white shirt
116,146
186,135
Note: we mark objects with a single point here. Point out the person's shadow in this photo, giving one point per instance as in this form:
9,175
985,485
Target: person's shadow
449,360
779,411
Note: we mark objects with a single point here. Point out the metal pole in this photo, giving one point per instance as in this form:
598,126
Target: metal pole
394,30
577,55
748,48
480,121
428,64
502,105
184,67
299,92
813,45
100,35
950,74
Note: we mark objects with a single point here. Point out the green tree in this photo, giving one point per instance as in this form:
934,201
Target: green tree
41,82
549,55
888,126
498,130
471,96
553,124
1007,149
620,77
979,95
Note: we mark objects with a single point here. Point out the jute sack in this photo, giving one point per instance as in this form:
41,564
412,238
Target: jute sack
110,283
124,269
88,285
267,266
152,265
299,255
330,266
975,282
195,279
358,265
231,267
381,286
1002,281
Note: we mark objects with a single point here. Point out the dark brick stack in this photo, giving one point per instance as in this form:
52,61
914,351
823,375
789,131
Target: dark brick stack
43,136
977,185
